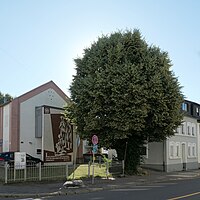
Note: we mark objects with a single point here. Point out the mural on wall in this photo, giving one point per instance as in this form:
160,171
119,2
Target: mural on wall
60,140
64,138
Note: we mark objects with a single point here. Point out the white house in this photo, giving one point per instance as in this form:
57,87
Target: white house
181,151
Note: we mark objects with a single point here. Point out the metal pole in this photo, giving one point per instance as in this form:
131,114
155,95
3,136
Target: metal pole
107,170
123,166
6,172
125,151
125,154
93,169
25,170
89,164
40,171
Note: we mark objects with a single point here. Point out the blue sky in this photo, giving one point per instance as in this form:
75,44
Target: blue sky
40,38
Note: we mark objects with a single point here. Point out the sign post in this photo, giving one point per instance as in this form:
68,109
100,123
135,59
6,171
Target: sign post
95,141
20,163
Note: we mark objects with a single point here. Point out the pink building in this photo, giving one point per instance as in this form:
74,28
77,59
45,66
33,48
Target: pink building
33,123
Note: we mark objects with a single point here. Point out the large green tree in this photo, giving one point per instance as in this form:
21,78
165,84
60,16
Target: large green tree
125,92
4,98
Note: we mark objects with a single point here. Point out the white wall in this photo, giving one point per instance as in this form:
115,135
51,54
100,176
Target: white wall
28,142
186,138
155,153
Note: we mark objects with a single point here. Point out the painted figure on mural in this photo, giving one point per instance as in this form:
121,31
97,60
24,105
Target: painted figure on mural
65,137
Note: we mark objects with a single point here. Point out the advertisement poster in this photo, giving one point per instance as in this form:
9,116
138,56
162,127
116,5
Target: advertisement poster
20,160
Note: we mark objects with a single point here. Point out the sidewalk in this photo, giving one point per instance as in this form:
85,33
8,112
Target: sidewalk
56,188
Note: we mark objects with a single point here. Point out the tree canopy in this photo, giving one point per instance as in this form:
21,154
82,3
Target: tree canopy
125,88
4,98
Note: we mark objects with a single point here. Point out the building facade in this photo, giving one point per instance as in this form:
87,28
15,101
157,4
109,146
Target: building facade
34,123
181,151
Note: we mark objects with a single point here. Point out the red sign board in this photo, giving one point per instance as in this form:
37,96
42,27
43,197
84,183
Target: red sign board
95,139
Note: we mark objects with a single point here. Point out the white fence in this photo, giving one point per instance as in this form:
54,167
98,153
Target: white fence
33,173
63,172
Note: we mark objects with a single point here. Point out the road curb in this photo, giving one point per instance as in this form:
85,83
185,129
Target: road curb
30,195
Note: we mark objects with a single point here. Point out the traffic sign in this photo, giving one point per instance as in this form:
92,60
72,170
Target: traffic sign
95,148
95,139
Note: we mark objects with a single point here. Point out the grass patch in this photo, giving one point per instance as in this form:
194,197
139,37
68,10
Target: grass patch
82,171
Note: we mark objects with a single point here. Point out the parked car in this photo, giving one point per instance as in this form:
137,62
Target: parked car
10,156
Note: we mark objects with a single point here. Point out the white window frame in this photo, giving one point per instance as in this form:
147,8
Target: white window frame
194,129
174,150
189,128
189,150
183,128
192,150
177,149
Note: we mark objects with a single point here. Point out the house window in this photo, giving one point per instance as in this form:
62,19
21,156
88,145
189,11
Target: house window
177,152
193,149
177,130
197,111
189,128
183,127
39,151
185,106
194,129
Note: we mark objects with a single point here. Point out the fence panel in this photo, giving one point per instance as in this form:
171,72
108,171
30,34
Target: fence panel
9,174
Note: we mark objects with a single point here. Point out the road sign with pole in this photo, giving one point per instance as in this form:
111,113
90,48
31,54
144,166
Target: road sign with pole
95,141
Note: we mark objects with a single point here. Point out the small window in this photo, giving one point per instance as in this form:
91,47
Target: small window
183,128
193,151
39,151
188,130
177,130
197,111
177,149
185,106
193,131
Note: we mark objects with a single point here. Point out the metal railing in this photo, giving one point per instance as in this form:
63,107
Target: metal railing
9,174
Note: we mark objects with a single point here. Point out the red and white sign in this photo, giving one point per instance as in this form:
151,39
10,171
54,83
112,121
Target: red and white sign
95,139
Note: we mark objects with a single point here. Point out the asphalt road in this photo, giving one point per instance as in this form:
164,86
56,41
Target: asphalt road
189,189
173,190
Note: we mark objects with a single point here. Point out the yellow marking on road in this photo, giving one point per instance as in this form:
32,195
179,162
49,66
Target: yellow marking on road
185,196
